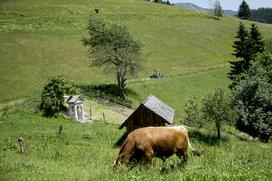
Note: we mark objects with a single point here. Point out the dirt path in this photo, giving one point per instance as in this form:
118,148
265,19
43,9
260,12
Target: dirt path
8,104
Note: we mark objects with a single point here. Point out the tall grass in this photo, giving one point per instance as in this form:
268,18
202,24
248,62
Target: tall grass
86,152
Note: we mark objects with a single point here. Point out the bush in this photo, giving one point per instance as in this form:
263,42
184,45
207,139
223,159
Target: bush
253,99
52,99
268,46
193,114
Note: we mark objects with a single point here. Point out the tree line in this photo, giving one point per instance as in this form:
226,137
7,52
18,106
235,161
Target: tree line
263,15
249,104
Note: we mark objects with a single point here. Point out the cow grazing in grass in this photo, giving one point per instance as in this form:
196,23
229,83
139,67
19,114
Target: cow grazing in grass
146,143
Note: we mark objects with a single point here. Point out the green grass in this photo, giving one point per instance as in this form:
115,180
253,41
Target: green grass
42,38
177,90
86,152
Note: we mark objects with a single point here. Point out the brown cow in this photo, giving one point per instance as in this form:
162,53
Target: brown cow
152,142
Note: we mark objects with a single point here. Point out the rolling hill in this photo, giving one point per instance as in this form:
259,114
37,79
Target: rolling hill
197,8
42,38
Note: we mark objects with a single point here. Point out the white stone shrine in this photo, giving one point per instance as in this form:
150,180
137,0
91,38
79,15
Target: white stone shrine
76,109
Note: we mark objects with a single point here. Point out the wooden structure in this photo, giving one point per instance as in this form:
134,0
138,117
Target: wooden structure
151,112
21,143
76,110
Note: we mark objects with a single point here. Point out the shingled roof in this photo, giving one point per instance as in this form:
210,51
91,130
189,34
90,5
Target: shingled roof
156,106
73,99
159,108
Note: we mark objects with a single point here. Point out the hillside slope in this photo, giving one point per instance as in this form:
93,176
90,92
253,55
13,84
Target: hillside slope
41,38
85,152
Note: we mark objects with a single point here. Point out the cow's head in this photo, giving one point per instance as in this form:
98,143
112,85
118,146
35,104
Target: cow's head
116,162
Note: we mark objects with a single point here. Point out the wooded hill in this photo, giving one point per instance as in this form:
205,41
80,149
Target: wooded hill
263,15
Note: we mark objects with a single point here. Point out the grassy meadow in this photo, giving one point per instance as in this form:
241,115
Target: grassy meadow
42,38
177,90
86,152
39,39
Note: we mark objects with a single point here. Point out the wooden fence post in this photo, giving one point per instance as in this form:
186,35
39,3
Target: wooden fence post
21,143
104,118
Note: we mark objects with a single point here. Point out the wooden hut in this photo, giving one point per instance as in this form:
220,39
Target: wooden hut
151,112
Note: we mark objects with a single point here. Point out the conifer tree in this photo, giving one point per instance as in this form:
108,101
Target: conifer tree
240,46
244,11
256,40
217,9
245,47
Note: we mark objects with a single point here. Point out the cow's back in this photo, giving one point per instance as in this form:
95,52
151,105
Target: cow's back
165,141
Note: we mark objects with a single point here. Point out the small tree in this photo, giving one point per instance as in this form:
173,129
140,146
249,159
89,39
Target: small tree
217,108
244,11
193,115
253,99
218,11
111,46
52,99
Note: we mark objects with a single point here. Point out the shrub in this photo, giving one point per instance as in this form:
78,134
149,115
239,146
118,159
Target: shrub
253,99
193,114
268,46
52,99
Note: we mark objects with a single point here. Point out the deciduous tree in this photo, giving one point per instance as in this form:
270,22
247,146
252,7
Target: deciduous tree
112,47
217,108
253,98
52,99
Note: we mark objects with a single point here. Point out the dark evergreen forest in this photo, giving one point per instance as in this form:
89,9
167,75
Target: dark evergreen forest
263,15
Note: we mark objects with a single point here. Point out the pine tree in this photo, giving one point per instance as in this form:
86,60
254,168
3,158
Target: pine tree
256,40
245,47
244,11
217,9
241,50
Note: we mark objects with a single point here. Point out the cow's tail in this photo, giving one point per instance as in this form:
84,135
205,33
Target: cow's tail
195,152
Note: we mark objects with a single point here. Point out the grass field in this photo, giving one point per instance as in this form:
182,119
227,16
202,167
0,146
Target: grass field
42,38
39,39
177,90
86,152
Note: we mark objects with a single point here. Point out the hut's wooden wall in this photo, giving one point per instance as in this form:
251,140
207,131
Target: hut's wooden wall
143,117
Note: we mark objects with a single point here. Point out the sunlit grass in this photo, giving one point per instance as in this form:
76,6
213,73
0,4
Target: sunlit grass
42,38
86,152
